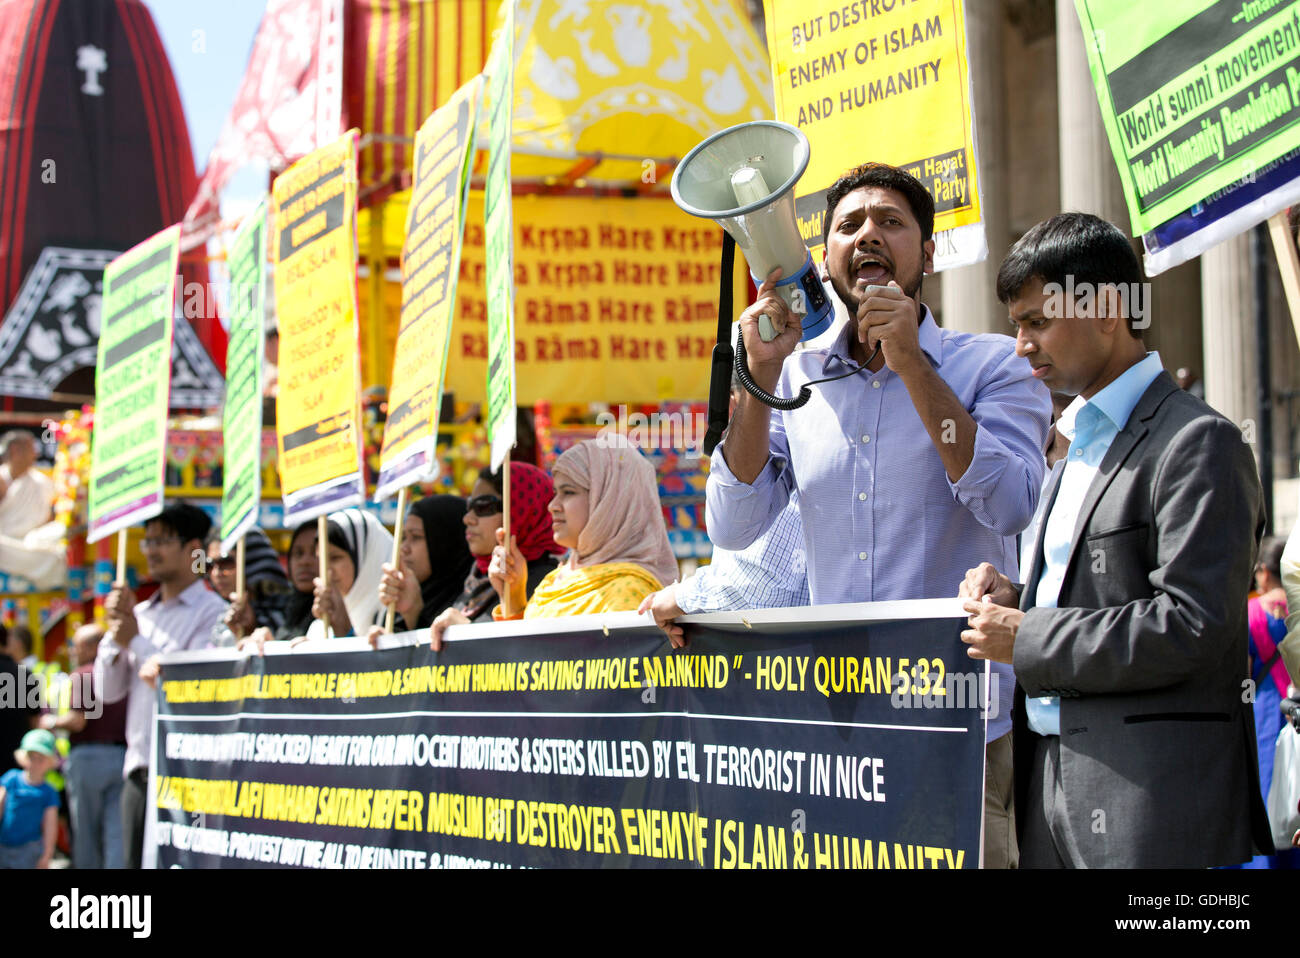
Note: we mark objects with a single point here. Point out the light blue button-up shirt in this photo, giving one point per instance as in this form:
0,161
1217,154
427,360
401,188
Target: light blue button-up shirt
768,574
881,519
1091,426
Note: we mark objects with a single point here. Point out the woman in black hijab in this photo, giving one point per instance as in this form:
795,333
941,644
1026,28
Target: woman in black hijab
434,562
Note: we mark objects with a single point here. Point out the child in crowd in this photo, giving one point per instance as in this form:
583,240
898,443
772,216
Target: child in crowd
29,807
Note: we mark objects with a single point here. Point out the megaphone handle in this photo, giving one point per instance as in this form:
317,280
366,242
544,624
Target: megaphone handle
720,378
719,395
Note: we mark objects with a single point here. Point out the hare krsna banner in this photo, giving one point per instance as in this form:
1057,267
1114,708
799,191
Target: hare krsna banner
1194,96
500,233
318,406
886,82
241,424
435,223
784,744
132,378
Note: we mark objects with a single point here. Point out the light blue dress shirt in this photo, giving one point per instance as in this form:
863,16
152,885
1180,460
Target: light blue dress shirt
770,573
881,519
1091,426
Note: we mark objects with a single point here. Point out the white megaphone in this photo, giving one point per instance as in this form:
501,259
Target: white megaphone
743,178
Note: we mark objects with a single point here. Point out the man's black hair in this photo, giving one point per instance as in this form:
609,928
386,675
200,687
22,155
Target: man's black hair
1078,245
184,520
890,178
1270,554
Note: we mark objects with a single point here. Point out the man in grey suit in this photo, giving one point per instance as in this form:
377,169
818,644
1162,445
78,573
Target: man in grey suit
1133,745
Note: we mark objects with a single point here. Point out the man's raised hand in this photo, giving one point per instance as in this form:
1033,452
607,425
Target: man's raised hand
765,359
888,316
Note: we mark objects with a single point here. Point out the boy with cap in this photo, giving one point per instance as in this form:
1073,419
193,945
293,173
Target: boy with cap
29,807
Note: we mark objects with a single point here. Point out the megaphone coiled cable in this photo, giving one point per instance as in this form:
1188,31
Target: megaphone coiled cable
805,391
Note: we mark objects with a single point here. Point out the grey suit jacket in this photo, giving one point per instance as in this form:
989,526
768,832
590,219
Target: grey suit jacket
1148,646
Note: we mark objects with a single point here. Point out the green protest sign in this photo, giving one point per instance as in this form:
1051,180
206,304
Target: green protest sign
499,230
241,424
1194,95
132,378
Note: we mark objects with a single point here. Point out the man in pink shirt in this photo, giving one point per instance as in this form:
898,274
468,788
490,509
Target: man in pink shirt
179,616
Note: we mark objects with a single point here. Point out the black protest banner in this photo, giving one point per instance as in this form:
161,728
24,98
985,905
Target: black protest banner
792,746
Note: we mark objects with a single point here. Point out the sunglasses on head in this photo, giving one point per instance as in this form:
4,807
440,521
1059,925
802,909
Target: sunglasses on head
484,506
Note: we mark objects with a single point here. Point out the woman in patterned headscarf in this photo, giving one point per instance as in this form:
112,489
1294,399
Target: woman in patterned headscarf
266,587
606,512
531,491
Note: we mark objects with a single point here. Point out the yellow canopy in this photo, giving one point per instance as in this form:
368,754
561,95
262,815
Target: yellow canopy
644,80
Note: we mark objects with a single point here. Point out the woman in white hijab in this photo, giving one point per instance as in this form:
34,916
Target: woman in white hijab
359,546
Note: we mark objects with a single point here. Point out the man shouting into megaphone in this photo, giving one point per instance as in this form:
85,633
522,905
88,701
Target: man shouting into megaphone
924,463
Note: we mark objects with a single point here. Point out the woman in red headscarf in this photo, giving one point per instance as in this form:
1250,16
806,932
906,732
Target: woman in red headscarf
530,524
606,513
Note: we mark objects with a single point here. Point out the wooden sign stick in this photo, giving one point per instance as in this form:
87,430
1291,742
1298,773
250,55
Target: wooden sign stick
507,607
323,552
397,558
121,569
239,581
1288,264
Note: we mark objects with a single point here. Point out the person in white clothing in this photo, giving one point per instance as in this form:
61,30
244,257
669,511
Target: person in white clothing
31,540
26,495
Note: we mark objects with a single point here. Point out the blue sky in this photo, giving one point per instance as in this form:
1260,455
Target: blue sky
208,43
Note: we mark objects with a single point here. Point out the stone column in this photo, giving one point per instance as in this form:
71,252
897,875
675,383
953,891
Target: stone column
971,291
1090,183
1176,319
1089,180
1227,304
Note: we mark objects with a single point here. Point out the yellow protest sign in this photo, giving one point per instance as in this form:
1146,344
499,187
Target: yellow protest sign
318,405
616,300
884,81
430,266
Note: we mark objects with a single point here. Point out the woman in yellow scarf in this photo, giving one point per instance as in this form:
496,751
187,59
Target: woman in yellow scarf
606,513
